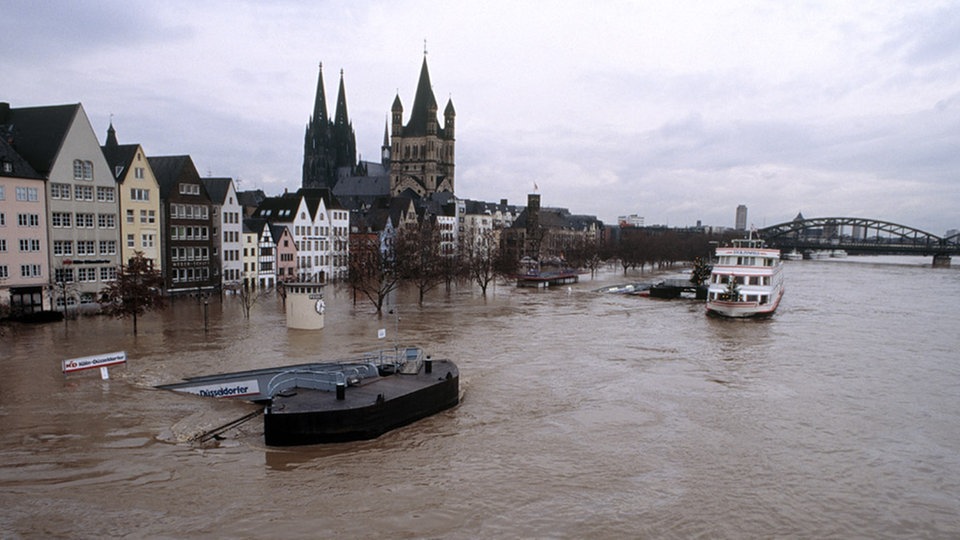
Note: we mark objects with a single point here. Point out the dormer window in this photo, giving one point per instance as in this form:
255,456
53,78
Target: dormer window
7,166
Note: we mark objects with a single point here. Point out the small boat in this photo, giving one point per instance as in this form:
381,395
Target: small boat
838,254
746,280
348,400
793,256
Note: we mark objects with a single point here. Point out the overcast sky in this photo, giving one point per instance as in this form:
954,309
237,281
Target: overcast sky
676,111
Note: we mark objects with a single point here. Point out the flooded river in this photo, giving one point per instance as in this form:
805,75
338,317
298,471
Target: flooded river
585,415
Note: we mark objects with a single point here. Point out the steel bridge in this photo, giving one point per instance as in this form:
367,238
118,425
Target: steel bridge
860,236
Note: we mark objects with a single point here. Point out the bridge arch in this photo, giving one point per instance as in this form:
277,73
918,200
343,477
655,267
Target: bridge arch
863,235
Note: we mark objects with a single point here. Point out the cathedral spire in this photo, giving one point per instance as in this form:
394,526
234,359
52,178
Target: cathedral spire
341,118
320,102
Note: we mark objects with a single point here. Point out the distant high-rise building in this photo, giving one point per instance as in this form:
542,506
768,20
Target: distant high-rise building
633,220
741,224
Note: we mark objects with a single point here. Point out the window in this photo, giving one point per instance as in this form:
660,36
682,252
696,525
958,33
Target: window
28,220
4,272
82,170
138,194
190,189
83,193
85,221
138,173
3,192
130,241
129,216
3,219
60,191
62,247
28,245
146,240
30,270
108,247
3,245
63,275
86,274
108,273
105,194
28,194
86,247
61,220
107,221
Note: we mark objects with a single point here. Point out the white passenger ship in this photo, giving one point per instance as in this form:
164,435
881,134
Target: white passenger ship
747,280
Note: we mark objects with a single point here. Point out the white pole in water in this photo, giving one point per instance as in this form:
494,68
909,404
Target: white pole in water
104,373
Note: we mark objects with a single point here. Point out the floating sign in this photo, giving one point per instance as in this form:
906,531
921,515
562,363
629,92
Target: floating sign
96,361
228,389
381,333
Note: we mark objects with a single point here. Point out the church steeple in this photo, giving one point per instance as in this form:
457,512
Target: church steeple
320,101
422,156
423,115
340,118
111,137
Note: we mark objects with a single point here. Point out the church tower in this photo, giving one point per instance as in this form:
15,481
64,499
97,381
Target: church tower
422,155
328,144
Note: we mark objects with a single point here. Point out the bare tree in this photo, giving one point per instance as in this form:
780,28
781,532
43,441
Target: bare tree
137,289
417,251
248,295
484,260
373,271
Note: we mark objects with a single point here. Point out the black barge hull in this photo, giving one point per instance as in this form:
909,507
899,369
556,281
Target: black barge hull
365,411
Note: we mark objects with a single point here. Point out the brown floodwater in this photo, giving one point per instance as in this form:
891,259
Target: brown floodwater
584,414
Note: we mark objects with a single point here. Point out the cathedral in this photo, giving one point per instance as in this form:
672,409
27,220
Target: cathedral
328,144
416,161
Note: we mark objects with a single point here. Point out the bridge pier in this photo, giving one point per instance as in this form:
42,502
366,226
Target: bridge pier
941,260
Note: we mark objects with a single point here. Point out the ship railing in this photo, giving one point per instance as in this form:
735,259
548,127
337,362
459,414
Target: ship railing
400,359
325,379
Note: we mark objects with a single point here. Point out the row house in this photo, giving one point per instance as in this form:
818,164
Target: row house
83,233
228,216
24,270
258,255
139,198
320,229
285,249
187,225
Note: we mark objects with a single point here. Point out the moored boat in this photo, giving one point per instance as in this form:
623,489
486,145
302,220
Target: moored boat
793,256
746,280
341,401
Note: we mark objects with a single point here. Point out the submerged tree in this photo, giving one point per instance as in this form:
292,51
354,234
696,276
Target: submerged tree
418,256
484,260
137,289
373,271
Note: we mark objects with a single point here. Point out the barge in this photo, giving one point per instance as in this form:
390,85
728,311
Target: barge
347,400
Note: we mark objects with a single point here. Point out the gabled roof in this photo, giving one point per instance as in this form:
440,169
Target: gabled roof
119,156
251,197
254,225
19,167
37,133
313,196
217,188
169,170
283,208
277,232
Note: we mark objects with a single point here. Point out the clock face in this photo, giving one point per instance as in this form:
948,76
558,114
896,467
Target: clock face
320,307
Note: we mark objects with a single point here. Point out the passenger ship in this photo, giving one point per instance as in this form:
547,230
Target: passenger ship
746,281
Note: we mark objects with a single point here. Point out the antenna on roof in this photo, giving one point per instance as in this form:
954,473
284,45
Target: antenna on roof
424,47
